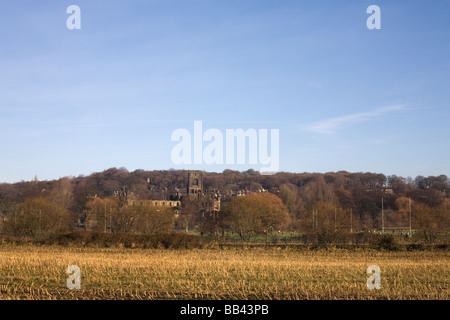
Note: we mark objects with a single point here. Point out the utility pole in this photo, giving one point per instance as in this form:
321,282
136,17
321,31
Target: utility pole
382,215
351,220
410,233
105,216
40,219
334,219
314,217
315,220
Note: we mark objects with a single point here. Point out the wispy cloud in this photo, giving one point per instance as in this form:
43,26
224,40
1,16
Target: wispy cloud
331,126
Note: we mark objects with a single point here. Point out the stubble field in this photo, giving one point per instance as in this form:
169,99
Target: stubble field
39,272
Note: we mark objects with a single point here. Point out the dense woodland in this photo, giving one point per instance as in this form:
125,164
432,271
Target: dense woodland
317,202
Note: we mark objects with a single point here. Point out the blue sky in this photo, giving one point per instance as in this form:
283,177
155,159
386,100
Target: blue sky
343,97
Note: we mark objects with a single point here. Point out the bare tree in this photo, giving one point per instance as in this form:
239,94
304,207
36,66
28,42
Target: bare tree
429,220
289,193
99,214
256,213
38,217
149,219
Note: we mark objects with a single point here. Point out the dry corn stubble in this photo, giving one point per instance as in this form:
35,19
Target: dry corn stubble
38,272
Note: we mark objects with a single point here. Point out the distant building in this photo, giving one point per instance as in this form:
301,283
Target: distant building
195,185
194,191
241,193
387,189
166,203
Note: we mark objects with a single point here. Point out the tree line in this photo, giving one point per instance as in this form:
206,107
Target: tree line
116,201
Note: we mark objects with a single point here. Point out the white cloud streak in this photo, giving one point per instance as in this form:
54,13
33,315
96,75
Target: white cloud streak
331,126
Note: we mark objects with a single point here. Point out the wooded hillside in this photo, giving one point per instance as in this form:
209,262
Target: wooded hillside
356,196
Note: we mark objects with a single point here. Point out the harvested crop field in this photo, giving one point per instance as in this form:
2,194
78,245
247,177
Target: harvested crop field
39,272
